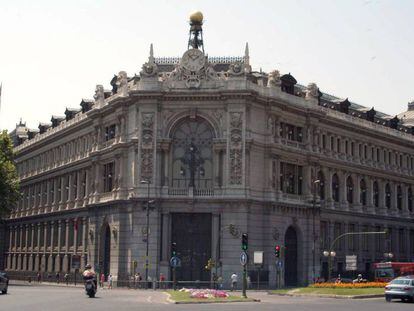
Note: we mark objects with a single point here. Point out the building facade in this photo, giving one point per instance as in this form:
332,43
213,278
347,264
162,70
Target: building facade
209,149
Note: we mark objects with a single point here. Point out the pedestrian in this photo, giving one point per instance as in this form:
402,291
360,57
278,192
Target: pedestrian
102,280
220,282
249,282
162,280
57,276
110,281
215,281
338,279
139,280
233,281
66,277
39,277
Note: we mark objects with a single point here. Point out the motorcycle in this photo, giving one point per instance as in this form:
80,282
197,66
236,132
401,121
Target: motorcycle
90,288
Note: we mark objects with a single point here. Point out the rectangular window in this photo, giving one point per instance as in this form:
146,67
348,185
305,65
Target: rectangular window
108,176
378,239
411,241
338,145
290,178
110,132
331,147
324,141
401,241
351,239
337,233
346,147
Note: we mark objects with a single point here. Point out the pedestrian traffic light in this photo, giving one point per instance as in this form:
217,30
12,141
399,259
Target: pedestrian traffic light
245,242
173,249
277,251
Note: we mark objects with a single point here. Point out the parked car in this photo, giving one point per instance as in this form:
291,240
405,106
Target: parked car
400,288
4,282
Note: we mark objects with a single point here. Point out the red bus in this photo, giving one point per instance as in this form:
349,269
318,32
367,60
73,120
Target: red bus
386,271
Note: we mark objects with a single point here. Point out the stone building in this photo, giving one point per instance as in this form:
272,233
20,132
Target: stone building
214,150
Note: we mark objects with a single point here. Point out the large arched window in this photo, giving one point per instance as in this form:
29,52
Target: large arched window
335,188
375,193
410,199
349,189
363,192
192,149
388,196
399,197
321,186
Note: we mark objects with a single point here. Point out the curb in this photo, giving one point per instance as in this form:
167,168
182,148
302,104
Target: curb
330,296
206,301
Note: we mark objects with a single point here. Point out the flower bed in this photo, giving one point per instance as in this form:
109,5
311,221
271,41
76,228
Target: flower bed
349,285
205,293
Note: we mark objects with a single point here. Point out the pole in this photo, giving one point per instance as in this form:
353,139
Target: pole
146,253
244,295
174,279
314,232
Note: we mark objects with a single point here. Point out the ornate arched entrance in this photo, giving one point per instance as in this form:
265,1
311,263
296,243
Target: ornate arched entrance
291,257
105,249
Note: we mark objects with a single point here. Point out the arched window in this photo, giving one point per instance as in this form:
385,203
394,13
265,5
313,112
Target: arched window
363,192
399,197
349,189
335,188
192,154
388,196
375,193
410,199
321,187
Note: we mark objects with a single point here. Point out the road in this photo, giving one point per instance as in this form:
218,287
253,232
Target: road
44,298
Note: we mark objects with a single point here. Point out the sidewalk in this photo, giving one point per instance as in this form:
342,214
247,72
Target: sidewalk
35,283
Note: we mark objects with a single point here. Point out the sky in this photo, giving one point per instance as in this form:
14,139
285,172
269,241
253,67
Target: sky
53,53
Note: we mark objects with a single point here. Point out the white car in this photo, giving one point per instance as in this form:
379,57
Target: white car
4,282
400,288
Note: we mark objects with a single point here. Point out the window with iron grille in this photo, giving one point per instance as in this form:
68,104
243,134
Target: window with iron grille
110,132
108,173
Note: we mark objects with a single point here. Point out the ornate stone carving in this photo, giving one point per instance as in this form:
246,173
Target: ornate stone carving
147,145
122,83
274,79
236,148
312,91
193,69
150,68
99,95
236,69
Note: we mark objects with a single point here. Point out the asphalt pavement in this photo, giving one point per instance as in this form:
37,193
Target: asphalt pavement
44,298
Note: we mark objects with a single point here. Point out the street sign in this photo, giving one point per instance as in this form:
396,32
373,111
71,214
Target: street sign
76,261
175,262
243,258
279,264
258,258
351,263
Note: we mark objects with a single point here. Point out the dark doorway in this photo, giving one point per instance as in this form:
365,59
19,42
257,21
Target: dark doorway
192,235
105,250
291,257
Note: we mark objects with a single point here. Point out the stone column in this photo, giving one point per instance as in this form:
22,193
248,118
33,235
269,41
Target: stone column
381,188
328,186
75,235
215,251
66,258
31,258
343,190
370,194
307,182
84,242
277,130
357,204
57,264
52,232
78,188
404,188
70,190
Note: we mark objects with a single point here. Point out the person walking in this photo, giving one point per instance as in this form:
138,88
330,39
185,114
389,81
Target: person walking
57,276
102,280
162,281
39,277
66,277
110,281
233,281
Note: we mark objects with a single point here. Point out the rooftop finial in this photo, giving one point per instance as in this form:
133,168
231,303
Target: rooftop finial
151,56
195,39
247,66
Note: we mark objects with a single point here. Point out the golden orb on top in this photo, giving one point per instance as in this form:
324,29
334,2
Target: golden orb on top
196,17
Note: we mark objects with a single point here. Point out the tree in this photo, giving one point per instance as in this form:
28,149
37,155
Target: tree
9,183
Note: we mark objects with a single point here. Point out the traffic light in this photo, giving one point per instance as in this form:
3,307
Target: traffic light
245,242
173,249
277,251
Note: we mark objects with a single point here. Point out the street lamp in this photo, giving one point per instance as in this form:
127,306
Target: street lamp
330,254
315,183
149,202
388,256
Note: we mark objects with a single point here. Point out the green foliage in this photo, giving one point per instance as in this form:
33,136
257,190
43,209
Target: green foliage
9,183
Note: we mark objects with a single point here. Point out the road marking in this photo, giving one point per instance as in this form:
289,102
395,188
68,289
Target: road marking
149,299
